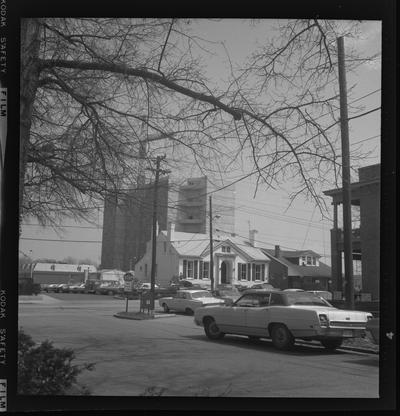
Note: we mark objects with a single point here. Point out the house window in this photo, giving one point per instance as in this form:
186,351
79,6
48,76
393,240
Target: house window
195,269
309,261
303,261
226,249
206,268
253,272
184,268
249,271
263,272
189,269
242,271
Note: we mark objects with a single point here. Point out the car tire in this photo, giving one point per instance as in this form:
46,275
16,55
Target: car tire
189,311
211,329
282,338
331,344
165,307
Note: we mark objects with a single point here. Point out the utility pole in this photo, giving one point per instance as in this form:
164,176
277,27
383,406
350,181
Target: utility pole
346,181
154,232
211,247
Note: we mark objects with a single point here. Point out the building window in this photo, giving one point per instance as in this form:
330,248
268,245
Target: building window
263,272
226,249
195,263
253,272
184,268
206,268
242,275
249,271
190,269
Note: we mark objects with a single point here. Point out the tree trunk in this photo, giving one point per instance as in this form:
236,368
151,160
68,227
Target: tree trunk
30,43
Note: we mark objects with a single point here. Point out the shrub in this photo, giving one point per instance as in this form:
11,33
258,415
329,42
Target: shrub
44,369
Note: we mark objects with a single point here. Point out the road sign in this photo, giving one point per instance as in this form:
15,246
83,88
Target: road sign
127,286
128,277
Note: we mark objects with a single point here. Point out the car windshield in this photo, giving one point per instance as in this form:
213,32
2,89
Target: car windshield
202,294
304,298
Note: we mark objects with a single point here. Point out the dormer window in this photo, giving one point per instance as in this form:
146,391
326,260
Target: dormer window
308,261
226,249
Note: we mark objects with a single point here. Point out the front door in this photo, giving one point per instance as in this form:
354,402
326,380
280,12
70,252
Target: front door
224,278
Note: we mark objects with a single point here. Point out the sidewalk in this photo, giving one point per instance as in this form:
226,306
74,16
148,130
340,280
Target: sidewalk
41,299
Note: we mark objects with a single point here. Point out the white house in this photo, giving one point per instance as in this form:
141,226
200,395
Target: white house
187,255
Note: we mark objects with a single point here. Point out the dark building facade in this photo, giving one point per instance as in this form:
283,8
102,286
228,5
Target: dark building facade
127,224
365,196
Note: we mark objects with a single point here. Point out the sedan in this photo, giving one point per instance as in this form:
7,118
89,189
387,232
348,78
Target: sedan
188,301
77,288
283,317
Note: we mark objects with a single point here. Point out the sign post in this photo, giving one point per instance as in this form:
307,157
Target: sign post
128,279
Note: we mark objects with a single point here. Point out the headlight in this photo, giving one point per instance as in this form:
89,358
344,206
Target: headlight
369,317
323,320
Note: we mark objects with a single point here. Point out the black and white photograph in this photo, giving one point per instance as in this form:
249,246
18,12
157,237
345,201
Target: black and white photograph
200,210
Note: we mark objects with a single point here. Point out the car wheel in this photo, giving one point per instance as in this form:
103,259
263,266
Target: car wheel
282,337
211,329
331,344
165,307
189,311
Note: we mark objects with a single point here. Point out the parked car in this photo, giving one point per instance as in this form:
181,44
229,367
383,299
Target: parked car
322,294
283,316
146,286
293,290
373,330
77,288
228,294
110,288
62,288
52,287
188,301
266,286
92,285
44,287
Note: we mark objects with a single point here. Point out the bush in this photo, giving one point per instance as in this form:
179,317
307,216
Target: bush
44,369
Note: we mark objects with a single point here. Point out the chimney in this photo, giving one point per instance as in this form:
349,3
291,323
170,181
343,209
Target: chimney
252,234
171,231
277,252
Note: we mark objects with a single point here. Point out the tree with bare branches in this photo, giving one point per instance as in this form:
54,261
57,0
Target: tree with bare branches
95,92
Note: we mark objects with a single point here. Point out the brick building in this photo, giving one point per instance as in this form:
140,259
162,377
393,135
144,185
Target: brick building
365,201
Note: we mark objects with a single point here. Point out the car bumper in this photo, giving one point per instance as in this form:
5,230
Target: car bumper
324,333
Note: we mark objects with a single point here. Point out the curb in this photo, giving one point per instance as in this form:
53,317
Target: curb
142,317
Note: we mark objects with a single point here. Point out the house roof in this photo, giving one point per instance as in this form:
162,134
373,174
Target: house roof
292,253
189,244
254,253
196,244
323,270
61,267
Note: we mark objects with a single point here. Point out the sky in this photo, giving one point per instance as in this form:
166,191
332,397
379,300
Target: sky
300,226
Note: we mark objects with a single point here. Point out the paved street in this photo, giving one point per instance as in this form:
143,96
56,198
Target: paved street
172,356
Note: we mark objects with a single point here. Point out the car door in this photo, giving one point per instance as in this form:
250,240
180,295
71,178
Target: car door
232,319
257,316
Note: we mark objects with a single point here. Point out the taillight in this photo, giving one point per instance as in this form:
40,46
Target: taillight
323,320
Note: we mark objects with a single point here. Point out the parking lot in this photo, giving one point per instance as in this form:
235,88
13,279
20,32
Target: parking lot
171,356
